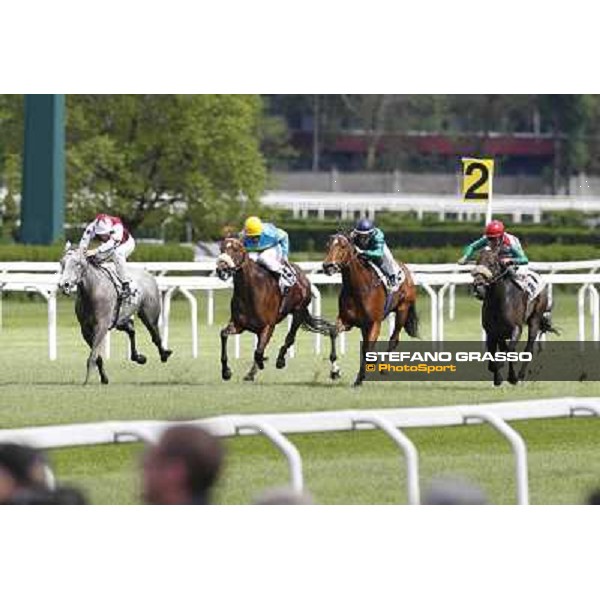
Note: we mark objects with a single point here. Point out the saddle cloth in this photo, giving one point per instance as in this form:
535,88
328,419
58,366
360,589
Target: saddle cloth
531,283
400,277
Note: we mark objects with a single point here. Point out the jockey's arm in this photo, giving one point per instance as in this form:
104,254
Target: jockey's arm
471,249
87,236
284,241
375,250
107,247
518,257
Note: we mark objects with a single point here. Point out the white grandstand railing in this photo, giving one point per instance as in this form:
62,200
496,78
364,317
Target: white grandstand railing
276,426
436,284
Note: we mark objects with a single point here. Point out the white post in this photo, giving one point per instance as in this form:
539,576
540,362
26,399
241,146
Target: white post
434,312
452,302
1,294
194,319
166,313
405,444
210,307
52,347
343,342
283,444
106,352
489,213
236,337
581,311
316,311
595,306
518,446
292,349
440,311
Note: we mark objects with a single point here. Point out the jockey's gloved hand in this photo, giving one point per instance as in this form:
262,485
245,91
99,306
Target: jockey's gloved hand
462,260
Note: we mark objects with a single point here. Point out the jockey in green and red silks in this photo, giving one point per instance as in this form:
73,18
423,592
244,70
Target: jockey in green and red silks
370,243
509,250
496,237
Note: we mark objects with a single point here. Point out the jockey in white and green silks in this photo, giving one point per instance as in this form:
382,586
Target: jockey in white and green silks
370,242
510,251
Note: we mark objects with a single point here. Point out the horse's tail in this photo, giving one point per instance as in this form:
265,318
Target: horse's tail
317,324
412,321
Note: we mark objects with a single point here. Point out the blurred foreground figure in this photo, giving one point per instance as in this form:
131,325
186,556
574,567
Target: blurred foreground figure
22,470
283,495
25,478
449,490
183,467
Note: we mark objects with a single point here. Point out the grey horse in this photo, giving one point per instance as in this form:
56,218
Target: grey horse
98,306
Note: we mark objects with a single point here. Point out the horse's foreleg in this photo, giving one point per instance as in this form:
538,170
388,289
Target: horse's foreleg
259,354
339,327
491,343
134,355
151,325
370,335
230,329
401,315
290,338
94,359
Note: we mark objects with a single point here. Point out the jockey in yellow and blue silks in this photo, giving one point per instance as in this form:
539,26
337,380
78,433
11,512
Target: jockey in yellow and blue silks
509,250
370,243
269,246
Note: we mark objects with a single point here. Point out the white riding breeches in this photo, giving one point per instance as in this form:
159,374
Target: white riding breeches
271,258
119,256
388,264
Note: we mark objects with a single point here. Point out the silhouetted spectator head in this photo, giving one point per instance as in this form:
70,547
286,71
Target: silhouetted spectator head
182,467
594,497
283,495
449,490
21,468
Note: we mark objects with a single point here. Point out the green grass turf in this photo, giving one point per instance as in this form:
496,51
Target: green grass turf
357,467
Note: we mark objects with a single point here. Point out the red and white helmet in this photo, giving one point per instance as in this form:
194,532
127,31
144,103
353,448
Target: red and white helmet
494,229
103,225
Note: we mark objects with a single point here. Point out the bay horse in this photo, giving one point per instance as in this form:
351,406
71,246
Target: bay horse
505,311
257,305
98,306
364,301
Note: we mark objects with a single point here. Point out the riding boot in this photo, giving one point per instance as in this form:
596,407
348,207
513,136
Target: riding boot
284,296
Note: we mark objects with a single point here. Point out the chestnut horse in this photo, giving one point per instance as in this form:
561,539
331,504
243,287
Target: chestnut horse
257,305
364,300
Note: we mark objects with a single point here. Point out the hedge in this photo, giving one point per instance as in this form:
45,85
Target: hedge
143,253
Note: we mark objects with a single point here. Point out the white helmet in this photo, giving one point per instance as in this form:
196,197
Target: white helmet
103,226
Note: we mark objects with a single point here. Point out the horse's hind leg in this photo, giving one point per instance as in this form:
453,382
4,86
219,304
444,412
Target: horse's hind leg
511,347
491,343
259,354
151,324
290,338
230,329
129,329
534,327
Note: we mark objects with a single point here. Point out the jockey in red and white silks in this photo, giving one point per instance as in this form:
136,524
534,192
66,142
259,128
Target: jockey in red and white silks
117,244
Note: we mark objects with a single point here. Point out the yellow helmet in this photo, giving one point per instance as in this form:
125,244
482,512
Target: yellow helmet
253,226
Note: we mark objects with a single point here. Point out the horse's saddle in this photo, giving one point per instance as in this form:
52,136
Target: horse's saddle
111,271
390,289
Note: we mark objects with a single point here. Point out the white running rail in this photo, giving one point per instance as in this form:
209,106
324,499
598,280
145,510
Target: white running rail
276,426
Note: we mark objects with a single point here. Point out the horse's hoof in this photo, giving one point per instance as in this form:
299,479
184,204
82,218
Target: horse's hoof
104,381
226,374
497,382
513,381
357,383
280,364
164,355
140,359
335,375
249,377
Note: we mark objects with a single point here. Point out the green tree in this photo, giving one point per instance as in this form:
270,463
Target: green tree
146,157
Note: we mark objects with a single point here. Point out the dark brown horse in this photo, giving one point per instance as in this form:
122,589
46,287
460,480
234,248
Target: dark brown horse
364,300
256,306
506,310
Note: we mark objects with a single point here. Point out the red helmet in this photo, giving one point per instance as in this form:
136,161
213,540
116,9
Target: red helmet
494,229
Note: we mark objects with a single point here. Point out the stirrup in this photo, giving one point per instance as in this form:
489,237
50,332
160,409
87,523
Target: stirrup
126,290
